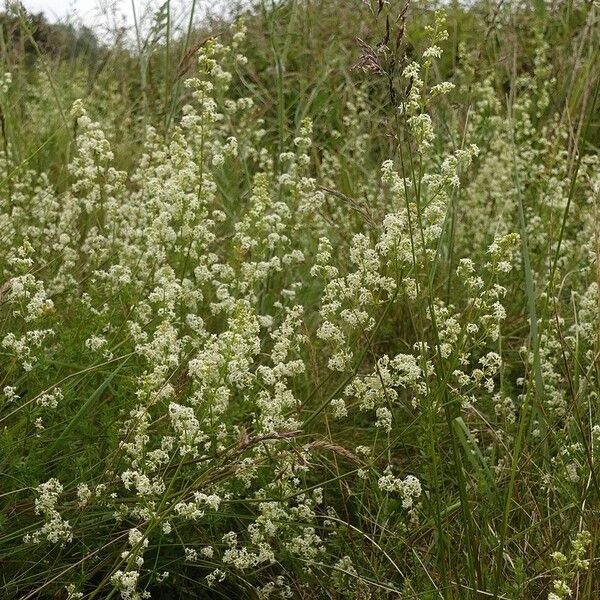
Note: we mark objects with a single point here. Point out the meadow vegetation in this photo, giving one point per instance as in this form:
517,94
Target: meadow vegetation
302,304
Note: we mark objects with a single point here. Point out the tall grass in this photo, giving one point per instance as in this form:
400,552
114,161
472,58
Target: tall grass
305,304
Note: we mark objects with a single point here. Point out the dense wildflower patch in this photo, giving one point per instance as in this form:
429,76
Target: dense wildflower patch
223,376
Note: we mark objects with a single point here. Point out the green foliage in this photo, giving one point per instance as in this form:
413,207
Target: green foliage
302,305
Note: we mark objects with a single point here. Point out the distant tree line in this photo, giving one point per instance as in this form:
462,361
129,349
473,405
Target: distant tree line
21,33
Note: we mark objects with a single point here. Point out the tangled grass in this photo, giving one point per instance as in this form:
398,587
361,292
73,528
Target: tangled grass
320,322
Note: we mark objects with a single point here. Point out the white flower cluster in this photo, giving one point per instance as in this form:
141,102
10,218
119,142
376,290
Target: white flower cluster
55,529
409,488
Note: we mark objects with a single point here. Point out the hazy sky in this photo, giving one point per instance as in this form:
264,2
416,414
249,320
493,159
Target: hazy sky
88,10
105,16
